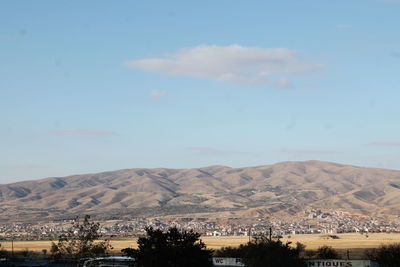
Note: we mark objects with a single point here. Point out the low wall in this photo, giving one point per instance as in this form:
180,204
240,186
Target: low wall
340,263
228,262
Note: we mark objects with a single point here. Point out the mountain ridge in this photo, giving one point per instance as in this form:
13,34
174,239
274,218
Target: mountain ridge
283,188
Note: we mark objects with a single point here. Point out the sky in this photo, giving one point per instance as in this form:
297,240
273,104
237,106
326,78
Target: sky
91,86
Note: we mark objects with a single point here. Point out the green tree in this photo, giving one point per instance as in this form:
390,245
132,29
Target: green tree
172,248
327,252
386,255
81,241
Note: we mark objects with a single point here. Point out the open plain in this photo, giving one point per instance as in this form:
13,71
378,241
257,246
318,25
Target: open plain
348,241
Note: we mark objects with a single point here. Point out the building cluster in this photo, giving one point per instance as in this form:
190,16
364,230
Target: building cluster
310,222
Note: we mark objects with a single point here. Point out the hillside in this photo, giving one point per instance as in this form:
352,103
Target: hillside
282,188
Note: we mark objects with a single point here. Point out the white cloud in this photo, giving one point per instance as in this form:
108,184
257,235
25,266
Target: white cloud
82,132
154,94
232,63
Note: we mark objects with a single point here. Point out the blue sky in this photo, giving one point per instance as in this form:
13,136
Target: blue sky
89,86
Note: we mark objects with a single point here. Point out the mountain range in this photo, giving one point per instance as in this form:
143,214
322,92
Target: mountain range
282,189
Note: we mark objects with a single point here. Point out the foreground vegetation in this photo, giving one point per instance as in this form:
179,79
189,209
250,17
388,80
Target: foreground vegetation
174,247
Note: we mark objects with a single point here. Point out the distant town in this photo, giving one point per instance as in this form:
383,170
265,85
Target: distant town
311,221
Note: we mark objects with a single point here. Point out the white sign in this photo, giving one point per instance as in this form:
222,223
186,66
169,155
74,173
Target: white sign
340,263
227,262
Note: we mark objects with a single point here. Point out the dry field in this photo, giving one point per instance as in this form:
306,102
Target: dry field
345,241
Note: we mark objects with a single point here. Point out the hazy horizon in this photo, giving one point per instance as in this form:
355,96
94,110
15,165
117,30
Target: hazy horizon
194,167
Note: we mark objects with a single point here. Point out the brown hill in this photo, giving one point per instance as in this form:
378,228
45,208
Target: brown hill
284,188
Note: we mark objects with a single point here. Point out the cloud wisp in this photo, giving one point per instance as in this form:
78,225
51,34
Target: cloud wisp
388,1
308,151
83,132
234,63
211,151
396,54
27,166
384,143
156,94
343,26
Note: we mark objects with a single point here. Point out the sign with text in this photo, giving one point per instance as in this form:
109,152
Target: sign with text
227,262
340,263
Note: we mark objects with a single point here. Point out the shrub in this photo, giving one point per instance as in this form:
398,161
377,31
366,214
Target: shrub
263,251
386,255
326,252
229,252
